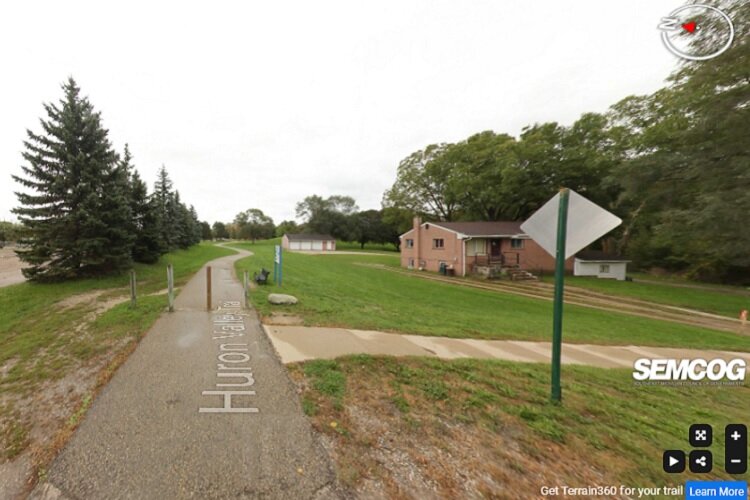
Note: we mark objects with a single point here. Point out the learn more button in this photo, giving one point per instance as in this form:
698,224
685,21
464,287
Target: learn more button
710,490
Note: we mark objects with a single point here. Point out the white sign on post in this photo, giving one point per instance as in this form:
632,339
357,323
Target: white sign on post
587,222
277,255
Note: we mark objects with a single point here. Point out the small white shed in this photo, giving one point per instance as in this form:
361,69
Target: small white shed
309,242
600,264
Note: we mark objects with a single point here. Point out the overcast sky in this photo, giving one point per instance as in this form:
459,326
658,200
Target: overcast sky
258,104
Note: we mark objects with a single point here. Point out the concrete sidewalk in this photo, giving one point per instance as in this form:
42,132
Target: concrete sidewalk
202,409
10,267
299,343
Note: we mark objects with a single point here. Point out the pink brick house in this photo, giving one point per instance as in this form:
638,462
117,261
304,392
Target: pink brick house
472,247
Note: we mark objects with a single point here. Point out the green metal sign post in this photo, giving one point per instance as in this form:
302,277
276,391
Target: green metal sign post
562,223
277,260
563,226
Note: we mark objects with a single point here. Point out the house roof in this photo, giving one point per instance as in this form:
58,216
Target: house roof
309,237
599,256
475,229
484,228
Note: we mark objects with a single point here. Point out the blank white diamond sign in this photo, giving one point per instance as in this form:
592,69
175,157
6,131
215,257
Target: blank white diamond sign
587,222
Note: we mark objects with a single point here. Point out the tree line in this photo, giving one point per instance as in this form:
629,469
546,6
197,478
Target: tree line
338,216
10,232
673,165
86,212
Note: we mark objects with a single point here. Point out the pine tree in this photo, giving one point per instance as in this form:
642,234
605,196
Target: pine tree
163,199
183,230
145,221
206,231
75,214
196,227
178,225
117,218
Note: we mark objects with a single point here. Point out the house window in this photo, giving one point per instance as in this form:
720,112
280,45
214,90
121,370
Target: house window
516,243
438,243
476,247
604,268
409,243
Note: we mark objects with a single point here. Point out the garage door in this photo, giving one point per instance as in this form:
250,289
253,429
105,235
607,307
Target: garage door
294,245
306,245
317,245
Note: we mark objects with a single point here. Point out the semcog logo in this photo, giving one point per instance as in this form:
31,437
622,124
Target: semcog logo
689,369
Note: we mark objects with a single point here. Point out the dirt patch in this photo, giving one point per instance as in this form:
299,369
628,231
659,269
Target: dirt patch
10,267
56,400
283,319
38,419
12,477
79,299
94,302
100,300
7,367
50,414
103,306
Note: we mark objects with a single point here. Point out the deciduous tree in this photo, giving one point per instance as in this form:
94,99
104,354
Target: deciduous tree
328,215
253,225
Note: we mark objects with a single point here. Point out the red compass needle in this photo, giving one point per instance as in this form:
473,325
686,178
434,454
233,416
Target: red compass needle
690,27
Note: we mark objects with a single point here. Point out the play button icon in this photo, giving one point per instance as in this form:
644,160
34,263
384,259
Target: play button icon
673,461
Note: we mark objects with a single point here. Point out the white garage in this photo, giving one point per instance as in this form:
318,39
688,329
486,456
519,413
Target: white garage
309,242
600,264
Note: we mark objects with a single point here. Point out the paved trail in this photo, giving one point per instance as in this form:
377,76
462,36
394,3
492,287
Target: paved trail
300,343
145,437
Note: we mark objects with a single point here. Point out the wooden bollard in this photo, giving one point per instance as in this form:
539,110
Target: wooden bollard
208,288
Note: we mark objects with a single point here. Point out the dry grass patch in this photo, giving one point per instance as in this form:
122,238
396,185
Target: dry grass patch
419,427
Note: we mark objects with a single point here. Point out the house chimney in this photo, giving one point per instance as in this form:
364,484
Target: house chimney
416,223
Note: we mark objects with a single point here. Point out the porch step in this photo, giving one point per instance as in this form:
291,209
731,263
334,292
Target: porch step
520,275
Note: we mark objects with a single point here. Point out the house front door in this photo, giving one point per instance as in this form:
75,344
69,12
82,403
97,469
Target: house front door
495,249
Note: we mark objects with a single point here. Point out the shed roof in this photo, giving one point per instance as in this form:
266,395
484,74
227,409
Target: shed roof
309,237
599,256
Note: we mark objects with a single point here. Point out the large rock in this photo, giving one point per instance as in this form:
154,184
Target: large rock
281,299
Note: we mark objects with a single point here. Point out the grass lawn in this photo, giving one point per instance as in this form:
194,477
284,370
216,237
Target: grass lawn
337,290
726,301
48,331
679,279
487,425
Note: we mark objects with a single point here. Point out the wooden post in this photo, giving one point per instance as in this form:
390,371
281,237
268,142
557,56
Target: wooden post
132,289
208,287
170,287
246,283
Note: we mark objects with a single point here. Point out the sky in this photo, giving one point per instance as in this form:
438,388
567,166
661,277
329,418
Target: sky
259,104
